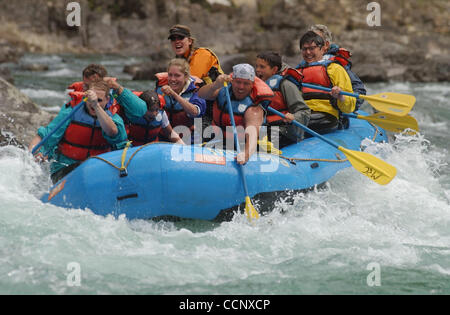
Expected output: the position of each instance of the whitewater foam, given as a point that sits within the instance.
(316, 242)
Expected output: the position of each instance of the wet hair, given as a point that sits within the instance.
(100, 85)
(151, 98)
(95, 69)
(327, 36)
(312, 37)
(272, 58)
(182, 63)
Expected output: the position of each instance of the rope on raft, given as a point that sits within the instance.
(123, 168)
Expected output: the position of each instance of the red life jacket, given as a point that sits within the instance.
(278, 101)
(140, 135)
(77, 97)
(162, 78)
(141, 132)
(83, 137)
(342, 56)
(76, 86)
(261, 93)
(293, 75)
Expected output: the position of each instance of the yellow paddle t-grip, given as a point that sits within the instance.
(123, 169)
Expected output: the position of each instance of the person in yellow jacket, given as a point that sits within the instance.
(326, 108)
(203, 63)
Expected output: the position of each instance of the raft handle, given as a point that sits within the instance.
(123, 172)
(127, 197)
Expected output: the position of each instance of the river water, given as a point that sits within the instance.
(351, 237)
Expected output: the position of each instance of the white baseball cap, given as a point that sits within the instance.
(244, 71)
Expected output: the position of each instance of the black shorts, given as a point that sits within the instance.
(322, 123)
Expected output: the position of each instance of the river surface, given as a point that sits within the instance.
(351, 237)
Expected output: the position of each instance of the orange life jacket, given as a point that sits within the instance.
(316, 73)
(198, 57)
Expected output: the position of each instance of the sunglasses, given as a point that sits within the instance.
(176, 37)
(311, 48)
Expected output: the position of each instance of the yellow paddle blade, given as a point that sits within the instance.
(392, 103)
(377, 170)
(250, 210)
(391, 122)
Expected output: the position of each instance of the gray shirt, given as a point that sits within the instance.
(296, 106)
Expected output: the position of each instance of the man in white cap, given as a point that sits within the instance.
(248, 94)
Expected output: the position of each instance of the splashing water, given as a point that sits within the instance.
(352, 236)
(322, 242)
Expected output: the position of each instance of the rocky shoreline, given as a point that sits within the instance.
(412, 43)
(19, 116)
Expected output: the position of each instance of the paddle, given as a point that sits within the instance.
(389, 122)
(388, 102)
(72, 113)
(367, 164)
(250, 210)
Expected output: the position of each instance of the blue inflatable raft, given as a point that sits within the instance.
(164, 179)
